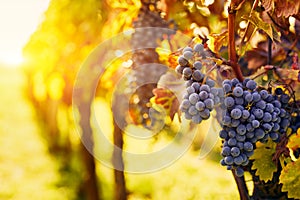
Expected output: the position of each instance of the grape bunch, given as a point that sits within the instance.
(149, 29)
(252, 114)
(201, 96)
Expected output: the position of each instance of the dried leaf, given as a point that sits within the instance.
(166, 99)
(268, 5)
(258, 56)
(286, 8)
(288, 74)
(168, 93)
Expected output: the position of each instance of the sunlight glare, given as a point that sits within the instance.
(18, 20)
(12, 59)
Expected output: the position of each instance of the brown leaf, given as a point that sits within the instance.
(287, 8)
(268, 5)
(258, 56)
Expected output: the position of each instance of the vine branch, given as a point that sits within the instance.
(242, 187)
(234, 5)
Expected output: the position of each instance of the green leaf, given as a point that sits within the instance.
(290, 179)
(255, 19)
(263, 163)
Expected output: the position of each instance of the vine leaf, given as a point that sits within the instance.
(257, 57)
(260, 24)
(263, 163)
(216, 41)
(167, 94)
(294, 141)
(166, 99)
(285, 8)
(268, 5)
(290, 179)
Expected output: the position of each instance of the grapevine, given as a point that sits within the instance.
(201, 95)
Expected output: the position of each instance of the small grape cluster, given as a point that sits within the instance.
(149, 29)
(150, 26)
(201, 95)
(252, 114)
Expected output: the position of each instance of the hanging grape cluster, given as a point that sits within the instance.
(252, 114)
(150, 27)
(201, 96)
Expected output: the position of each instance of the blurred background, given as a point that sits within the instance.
(43, 43)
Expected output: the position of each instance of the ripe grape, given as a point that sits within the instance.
(252, 114)
(187, 55)
(238, 92)
(199, 48)
(199, 91)
(235, 151)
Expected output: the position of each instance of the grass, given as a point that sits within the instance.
(186, 178)
(28, 171)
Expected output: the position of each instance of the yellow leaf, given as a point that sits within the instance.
(290, 179)
(263, 163)
(216, 41)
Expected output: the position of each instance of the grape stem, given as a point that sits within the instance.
(233, 7)
(242, 187)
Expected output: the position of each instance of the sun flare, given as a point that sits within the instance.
(13, 59)
(18, 20)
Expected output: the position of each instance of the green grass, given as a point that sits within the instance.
(187, 178)
(28, 171)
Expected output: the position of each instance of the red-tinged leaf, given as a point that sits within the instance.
(286, 8)
(288, 74)
(290, 179)
(258, 56)
(168, 93)
(268, 5)
(166, 99)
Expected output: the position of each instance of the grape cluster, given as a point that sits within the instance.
(201, 96)
(149, 28)
(252, 114)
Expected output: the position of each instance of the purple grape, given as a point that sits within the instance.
(229, 102)
(235, 151)
(251, 84)
(236, 113)
(200, 106)
(182, 61)
(238, 92)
